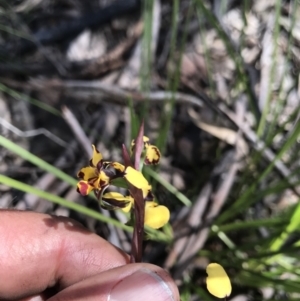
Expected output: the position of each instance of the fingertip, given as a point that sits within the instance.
(147, 283)
(132, 282)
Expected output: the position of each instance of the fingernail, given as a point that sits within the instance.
(142, 285)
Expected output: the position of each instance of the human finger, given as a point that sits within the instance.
(133, 282)
(39, 251)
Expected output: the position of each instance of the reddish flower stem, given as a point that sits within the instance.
(138, 231)
(139, 204)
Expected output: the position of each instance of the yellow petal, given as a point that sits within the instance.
(87, 173)
(152, 155)
(127, 208)
(97, 157)
(218, 282)
(112, 198)
(94, 182)
(100, 181)
(84, 188)
(103, 179)
(146, 141)
(118, 166)
(156, 216)
(136, 178)
(117, 197)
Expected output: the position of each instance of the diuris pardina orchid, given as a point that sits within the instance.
(99, 175)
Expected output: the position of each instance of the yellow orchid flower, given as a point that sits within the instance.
(97, 176)
(140, 200)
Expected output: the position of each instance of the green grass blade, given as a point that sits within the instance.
(174, 28)
(33, 101)
(26, 155)
(134, 120)
(146, 53)
(181, 197)
(60, 201)
(265, 112)
(293, 226)
(173, 77)
(249, 196)
(233, 53)
(15, 32)
(253, 224)
(208, 61)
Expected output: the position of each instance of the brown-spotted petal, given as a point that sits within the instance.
(152, 155)
(103, 179)
(156, 216)
(97, 158)
(84, 188)
(117, 200)
(146, 142)
(132, 145)
(120, 168)
(87, 173)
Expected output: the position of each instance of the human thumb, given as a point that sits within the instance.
(132, 282)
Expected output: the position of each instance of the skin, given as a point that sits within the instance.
(43, 256)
